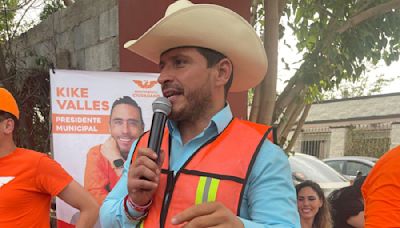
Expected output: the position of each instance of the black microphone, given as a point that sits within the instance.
(161, 108)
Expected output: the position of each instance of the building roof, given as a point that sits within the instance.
(386, 106)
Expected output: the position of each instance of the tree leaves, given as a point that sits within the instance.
(337, 39)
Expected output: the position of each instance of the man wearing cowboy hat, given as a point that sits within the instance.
(214, 170)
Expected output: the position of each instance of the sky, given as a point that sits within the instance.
(34, 8)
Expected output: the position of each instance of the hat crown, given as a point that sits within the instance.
(8, 103)
(210, 26)
(176, 6)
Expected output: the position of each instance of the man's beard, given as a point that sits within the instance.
(198, 103)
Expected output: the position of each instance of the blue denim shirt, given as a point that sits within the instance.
(269, 198)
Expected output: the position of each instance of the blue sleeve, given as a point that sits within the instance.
(270, 197)
(112, 212)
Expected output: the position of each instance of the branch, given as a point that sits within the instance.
(27, 8)
(68, 2)
(367, 14)
(292, 112)
(281, 7)
(3, 68)
(298, 127)
(364, 4)
(255, 105)
(253, 12)
(292, 81)
(22, 4)
(324, 10)
(290, 92)
(284, 118)
(290, 122)
(271, 37)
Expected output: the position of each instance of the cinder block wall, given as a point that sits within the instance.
(83, 36)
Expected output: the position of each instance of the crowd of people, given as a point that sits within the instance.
(343, 208)
(371, 201)
(214, 170)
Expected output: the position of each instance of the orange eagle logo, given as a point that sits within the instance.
(145, 84)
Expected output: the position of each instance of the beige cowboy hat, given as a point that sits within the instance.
(208, 26)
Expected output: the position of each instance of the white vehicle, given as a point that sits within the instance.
(307, 167)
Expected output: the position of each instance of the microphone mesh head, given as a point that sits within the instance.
(163, 105)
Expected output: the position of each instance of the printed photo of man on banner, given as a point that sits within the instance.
(96, 116)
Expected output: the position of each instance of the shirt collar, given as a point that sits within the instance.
(221, 120)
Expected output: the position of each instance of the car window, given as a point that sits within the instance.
(352, 167)
(336, 165)
(314, 169)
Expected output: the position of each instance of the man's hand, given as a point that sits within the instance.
(110, 150)
(144, 176)
(207, 215)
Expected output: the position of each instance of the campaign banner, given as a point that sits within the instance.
(83, 129)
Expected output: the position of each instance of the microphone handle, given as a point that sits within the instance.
(157, 132)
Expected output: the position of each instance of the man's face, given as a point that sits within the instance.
(187, 82)
(125, 126)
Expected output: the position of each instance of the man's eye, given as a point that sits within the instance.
(179, 62)
(133, 123)
(117, 122)
(161, 66)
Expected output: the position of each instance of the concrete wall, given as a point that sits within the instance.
(83, 36)
(338, 142)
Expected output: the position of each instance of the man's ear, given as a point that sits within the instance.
(224, 69)
(9, 126)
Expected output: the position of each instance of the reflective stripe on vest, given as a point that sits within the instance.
(206, 190)
(217, 171)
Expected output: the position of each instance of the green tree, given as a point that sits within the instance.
(7, 15)
(337, 39)
(50, 7)
(364, 86)
(29, 86)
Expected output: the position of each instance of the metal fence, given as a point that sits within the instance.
(368, 140)
(316, 142)
(361, 140)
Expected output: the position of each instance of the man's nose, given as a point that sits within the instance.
(125, 127)
(166, 74)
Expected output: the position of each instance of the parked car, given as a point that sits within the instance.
(307, 167)
(352, 166)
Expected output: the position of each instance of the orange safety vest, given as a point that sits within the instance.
(218, 171)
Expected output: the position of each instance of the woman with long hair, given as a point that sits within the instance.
(312, 206)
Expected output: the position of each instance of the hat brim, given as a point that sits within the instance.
(213, 27)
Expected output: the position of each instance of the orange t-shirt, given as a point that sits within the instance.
(100, 177)
(381, 192)
(28, 180)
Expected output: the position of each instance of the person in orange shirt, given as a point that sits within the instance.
(381, 192)
(29, 179)
(104, 162)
